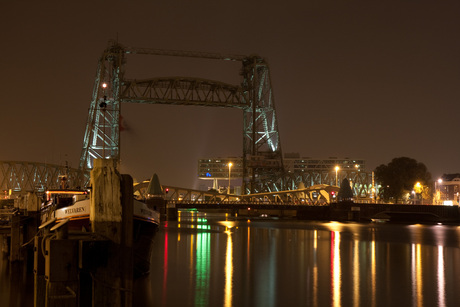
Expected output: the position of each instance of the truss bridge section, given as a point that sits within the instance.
(360, 182)
(183, 91)
(24, 176)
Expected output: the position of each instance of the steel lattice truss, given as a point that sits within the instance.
(361, 181)
(262, 157)
(184, 91)
(32, 176)
(102, 135)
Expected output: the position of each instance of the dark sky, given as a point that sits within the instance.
(372, 80)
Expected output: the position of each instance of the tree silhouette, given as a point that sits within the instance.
(345, 192)
(399, 177)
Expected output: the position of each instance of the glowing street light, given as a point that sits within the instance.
(336, 175)
(229, 172)
(437, 190)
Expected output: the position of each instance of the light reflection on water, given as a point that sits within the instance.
(228, 271)
(215, 260)
(335, 268)
(440, 278)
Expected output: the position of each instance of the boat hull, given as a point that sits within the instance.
(145, 226)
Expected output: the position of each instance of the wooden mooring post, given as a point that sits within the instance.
(111, 216)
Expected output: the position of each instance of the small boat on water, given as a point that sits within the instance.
(72, 204)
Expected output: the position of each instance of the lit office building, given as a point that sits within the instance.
(220, 171)
(294, 163)
(217, 169)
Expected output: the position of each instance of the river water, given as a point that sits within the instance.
(204, 260)
(215, 260)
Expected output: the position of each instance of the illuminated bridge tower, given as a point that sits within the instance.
(102, 135)
(262, 157)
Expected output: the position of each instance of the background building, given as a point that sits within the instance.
(448, 190)
(294, 163)
(217, 169)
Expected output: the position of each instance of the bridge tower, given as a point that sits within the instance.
(102, 135)
(262, 156)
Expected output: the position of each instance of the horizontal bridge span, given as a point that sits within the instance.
(314, 195)
(183, 91)
(21, 176)
(182, 53)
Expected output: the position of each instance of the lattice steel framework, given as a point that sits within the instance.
(262, 157)
(361, 181)
(33, 176)
(102, 135)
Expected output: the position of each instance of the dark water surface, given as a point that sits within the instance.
(211, 260)
(205, 261)
(16, 286)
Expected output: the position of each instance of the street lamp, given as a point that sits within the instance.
(229, 171)
(437, 189)
(336, 176)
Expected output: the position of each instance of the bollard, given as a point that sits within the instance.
(112, 219)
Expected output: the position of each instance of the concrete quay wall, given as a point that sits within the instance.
(344, 211)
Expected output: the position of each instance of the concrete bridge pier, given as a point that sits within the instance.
(171, 212)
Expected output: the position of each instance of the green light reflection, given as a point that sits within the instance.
(203, 262)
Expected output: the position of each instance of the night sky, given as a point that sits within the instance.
(372, 80)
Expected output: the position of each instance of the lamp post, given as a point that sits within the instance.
(336, 175)
(437, 189)
(418, 191)
(351, 184)
(229, 171)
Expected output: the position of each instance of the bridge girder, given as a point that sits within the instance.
(21, 176)
(361, 182)
(183, 91)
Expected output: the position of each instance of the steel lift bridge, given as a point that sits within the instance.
(263, 169)
(262, 156)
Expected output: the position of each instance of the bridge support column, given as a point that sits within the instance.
(354, 214)
(171, 212)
